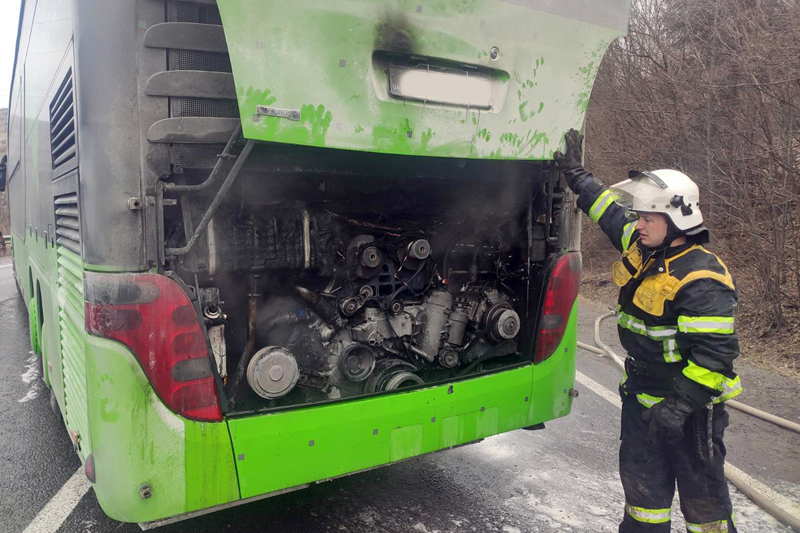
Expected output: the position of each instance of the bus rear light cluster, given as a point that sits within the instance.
(559, 298)
(154, 318)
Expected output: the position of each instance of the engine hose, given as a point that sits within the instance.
(777, 506)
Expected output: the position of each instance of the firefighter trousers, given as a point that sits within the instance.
(649, 471)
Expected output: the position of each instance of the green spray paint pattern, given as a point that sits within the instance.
(317, 59)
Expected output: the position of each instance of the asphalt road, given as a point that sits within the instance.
(561, 479)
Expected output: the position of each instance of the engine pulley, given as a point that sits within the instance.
(356, 362)
(506, 326)
(272, 372)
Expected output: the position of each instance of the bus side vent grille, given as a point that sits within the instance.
(191, 12)
(70, 318)
(197, 60)
(196, 156)
(62, 123)
(68, 228)
(204, 107)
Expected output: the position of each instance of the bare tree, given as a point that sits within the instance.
(712, 88)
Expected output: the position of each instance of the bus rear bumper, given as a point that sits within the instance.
(194, 468)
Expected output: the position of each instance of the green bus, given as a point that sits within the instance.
(265, 244)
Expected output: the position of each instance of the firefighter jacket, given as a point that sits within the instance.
(675, 308)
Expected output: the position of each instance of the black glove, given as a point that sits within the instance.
(574, 157)
(668, 416)
(667, 419)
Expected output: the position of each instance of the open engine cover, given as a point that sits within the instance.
(472, 79)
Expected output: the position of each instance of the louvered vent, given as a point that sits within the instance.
(70, 318)
(62, 123)
(68, 228)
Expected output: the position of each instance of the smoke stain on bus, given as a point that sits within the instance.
(393, 34)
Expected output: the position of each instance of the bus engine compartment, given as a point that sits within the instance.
(316, 286)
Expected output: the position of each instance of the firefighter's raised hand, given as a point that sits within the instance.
(573, 159)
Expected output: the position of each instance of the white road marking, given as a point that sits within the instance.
(61, 506)
(6, 266)
(598, 389)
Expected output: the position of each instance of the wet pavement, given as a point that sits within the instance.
(561, 479)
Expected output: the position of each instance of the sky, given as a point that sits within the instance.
(9, 20)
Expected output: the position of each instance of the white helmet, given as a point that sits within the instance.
(666, 191)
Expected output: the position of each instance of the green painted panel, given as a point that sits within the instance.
(137, 440)
(317, 60)
(553, 379)
(281, 450)
(209, 466)
(406, 442)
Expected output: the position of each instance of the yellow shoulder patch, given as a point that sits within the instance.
(620, 272)
(726, 278)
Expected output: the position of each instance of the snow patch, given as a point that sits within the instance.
(31, 370)
(562, 516)
(32, 393)
(597, 511)
(496, 448)
(31, 378)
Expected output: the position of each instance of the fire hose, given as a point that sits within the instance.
(773, 503)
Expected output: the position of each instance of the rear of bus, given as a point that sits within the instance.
(314, 238)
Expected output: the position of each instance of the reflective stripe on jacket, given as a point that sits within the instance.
(676, 305)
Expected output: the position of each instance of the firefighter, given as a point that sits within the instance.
(675, 319)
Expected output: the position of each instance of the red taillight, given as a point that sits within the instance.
(153, 316)
(562, 290)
